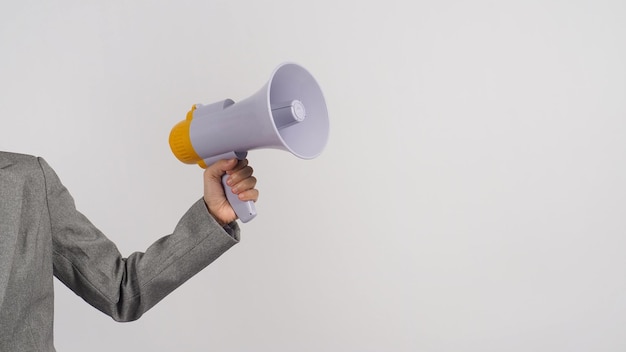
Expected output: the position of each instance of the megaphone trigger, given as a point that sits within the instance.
(204, 163)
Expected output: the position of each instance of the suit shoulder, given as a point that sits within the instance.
(21, 163)
(18, 157)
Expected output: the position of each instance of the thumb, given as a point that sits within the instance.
(219, 168)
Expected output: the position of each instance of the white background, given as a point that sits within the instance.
(471, 196)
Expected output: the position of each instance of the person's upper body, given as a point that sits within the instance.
(42, 234)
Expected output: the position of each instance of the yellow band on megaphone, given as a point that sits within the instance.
(180, 142)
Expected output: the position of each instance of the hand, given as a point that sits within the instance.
(241, 182)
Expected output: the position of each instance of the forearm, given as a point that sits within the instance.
(127, 288)
(90, 264)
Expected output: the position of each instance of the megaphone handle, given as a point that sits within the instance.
(246, 211)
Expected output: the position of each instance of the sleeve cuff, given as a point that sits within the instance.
(231, 229)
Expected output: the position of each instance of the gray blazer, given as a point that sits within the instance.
(42, 234)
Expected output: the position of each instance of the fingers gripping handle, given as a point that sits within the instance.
(245, 210)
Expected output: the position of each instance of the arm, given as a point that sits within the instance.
(90, 264)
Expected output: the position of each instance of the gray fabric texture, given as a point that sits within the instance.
(42, 234)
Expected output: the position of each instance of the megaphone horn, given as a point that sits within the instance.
(289, 113)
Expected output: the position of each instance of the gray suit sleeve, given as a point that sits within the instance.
(90, 264)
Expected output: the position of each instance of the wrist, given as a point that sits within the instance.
(215, 217)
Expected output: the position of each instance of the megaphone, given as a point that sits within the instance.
(288, 113)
